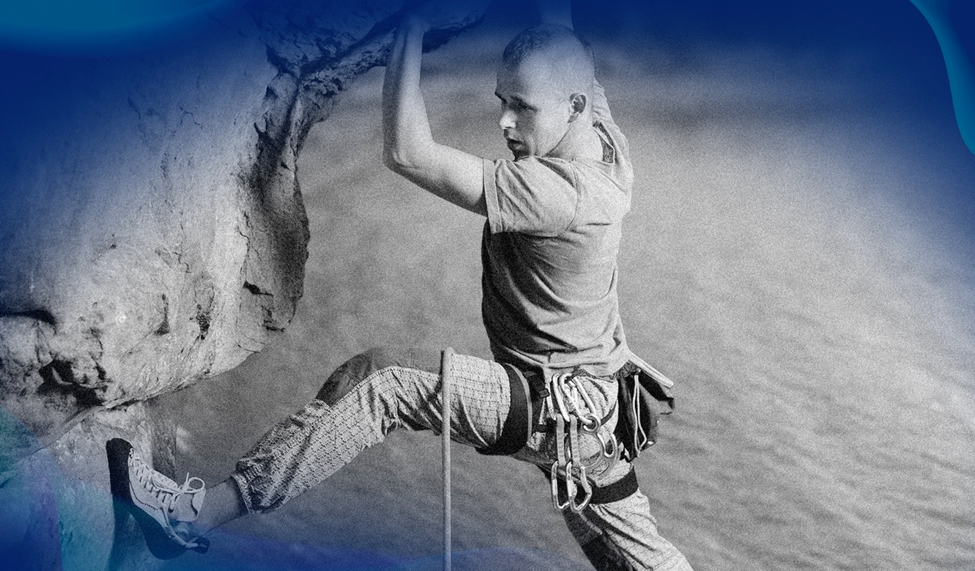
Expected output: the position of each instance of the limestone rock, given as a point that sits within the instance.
(152, 234)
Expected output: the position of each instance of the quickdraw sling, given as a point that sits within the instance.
(575, 418)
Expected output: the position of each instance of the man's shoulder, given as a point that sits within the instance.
(544, 169)
(537, 173)
(534, 195)
(610, 178)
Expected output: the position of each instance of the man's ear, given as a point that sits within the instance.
(578, 103)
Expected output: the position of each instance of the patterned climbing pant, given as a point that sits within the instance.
(380, 390)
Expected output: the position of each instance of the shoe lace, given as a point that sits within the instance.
(165, 490)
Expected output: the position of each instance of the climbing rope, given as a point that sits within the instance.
(445, 442)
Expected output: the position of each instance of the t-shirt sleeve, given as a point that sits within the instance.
(534, 195)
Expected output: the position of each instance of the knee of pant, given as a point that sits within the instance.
(375, 359)
(358, 368)
(349, 374)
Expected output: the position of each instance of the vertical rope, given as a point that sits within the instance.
(445, 441)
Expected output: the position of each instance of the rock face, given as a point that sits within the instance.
(152, 232)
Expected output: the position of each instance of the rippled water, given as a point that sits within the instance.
(798, 258)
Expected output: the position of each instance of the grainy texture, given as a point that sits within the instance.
(152, 230)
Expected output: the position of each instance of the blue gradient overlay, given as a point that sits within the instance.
(108, 25)
(56, 53)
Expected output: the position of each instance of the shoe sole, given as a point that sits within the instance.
(158, 542)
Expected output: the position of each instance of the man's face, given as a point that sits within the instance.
(534, 115)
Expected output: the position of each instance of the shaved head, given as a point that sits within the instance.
(545, 84)
(563, 54)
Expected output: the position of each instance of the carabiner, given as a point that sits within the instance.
(586, 492)
(590, 422)
(610, 447)
(570, 486)
(557, 389)
(589, 404)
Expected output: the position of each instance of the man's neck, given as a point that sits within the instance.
(580, 142)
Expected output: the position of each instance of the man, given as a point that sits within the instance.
(549, 305)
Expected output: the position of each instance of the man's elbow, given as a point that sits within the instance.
(394, 161)
(401, 160)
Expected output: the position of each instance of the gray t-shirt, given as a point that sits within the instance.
(549, 254)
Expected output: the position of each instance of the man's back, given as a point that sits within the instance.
(549, 254)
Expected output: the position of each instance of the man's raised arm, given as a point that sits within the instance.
(409, 148)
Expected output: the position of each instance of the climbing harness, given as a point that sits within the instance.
(445, 442)
(585, 446)
(520, 422)
(574, 414)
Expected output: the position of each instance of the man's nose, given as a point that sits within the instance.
(507, 119)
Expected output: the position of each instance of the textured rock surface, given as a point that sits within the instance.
(152, 232)
(58, 511)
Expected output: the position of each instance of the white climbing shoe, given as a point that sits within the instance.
(158, 503)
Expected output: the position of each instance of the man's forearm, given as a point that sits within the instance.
(405, 122)
(408, 145)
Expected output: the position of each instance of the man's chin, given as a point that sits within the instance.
(517, 149)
